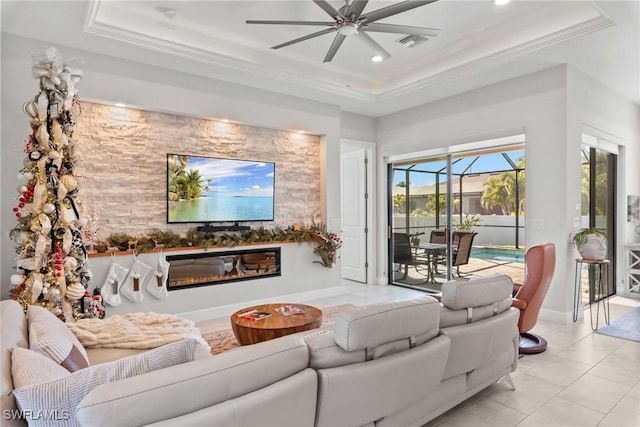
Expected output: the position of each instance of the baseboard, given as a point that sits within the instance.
(228, 310)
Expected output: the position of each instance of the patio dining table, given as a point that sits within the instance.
(431, 250)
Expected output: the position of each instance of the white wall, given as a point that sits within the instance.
(357, 127)
(595, 109)
(111, 79)
(539, 104)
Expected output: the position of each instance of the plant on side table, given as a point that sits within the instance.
(591, 243)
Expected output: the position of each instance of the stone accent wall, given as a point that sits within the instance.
(123, 165)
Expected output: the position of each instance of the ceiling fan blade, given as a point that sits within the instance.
(337, 42)
(399, 29)
(301, 39)
(326, 24)
(394, 9)
(377, 49)
(329, 9)
(356, 8)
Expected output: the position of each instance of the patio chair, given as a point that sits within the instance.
(540, 262)
(462, 241)
(403, 254)
(438, 236)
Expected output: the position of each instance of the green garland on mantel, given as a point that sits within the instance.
(193, 238)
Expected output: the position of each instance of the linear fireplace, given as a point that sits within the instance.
(212, 268)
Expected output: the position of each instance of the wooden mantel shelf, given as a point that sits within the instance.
(189, 248)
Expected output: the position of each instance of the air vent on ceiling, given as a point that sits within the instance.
(412, 40)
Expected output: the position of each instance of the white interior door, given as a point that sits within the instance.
(353, 172)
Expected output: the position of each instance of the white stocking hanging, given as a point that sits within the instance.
(157, 283)
(132, 286)
(110, 289)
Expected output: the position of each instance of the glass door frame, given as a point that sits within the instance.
(597, 145)
(448, 153)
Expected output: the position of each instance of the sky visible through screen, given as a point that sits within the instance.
(485, 163)
(234, 178)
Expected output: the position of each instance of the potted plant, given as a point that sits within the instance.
(413, 237)
(327, 245)
(591, 243)
(468, 223)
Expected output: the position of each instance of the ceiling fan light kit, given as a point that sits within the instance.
(350, 20)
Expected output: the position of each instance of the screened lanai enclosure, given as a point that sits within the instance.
(457, 215)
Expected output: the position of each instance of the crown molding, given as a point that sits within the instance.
(469, 67)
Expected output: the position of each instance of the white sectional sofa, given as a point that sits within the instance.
(391, 364)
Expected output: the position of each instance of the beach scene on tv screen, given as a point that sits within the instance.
(207, 189)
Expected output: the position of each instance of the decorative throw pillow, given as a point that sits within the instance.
(56, 400)
(50, 336)
(30, 368)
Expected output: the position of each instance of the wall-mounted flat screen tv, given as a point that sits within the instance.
(209, 189)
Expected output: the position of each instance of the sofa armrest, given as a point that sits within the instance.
(182, 389)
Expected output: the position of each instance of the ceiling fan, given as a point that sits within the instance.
(350, 20)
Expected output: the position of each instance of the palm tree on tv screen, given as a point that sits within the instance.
(183, 184)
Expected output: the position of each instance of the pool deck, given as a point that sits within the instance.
(476, 267)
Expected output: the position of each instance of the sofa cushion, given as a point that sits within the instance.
(372, 325)
(190, 387)
(58, 395)
(477, 292)
(50, 336)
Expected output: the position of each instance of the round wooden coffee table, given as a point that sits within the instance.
(248, 331)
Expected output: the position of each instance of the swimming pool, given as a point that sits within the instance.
(497, 254)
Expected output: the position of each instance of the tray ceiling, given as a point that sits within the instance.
(478, 43)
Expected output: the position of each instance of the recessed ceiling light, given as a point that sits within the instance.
(377, 58)
(500, 2)
(120, 104)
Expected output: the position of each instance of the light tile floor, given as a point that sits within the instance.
(582, 379)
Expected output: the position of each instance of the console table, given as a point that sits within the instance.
(248, 331)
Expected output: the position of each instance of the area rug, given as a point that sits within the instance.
(626, 326)
(223, 339)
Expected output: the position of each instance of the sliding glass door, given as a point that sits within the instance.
(598, 207)
(456, 215)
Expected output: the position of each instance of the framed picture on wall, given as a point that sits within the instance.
(633, 208)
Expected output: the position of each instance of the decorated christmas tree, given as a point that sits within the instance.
(52, 260)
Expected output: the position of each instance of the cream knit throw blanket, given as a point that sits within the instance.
(134, 330)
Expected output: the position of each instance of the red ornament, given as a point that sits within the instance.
(18, 214)
(16, 209)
